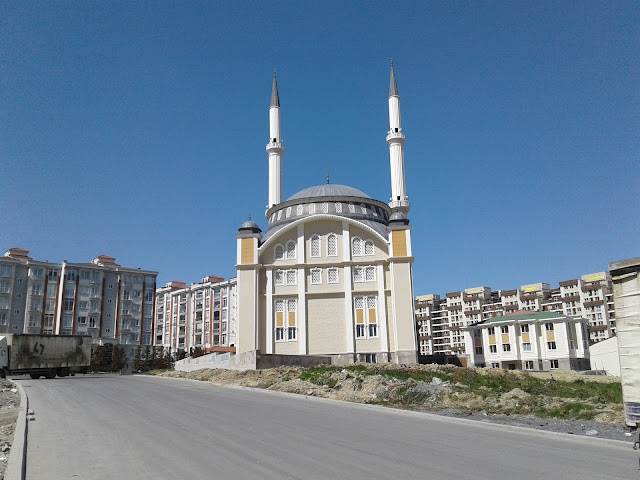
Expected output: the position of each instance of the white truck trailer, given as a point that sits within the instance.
(625, 275)
(44, 355)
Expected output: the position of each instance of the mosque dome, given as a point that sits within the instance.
(328, 190)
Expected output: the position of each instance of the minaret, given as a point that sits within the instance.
(274, 147)
(395, 139)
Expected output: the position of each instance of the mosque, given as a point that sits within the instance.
(332, 273)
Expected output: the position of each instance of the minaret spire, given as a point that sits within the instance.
(274, 147)
(395, 139)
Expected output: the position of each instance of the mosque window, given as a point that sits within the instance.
(288, 213)
(292, 307)
(363, 208)
(280, 321)
(370, 274)
(279, 214)
(365, 315)
(338, 208)
(312, 208)
(368, 248)
(291, 277)
(278, 277)
(332, 245)
(332, 275)
(300, 210)
(315, 246)
(352, 208)
(291, 250)
(316, 276)
(325, 208)
(279, 253)
(356, 247)
(358, 274)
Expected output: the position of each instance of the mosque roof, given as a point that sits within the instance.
(328, 190)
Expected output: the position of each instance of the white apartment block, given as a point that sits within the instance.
(532, 340)
(203, 315)
(439, 320)
(111, 303)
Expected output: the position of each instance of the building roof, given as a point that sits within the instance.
(393, 86)
(328, 190)
(275, 98)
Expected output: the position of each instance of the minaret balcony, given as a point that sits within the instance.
(274, 146)
(395, 136)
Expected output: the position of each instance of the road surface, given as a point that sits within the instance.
(132, 427)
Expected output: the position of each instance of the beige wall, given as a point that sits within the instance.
(326, 324)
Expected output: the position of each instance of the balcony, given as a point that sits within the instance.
(511, 307)
(598, 328)
(472, 311)
(574, 297)
(592, 303)
(590, 286)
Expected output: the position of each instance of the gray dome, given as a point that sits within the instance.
(249, 225)
(328, 190)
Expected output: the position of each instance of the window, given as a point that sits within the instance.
(315, 246)
(279, 214)
(312, 208)
(82, 320)
(332, 245)
(504, 329)
(278, 277)
(506, 347)
(70, 276)
(524, 328)
(358, 274)
(292, 306)
(279, 320)
(370, 274)
(291, 250)
(478, 350)
(316, 276)
(288, 212)
(365, 315)
(352, 208)
(363, 208)
(332, 275)
(278, 252)
(528, 365)
(338, 208)
(526, 347)
(367, 357)
(68, 304)
(84, 274)
(325, 208)
(491, 331)
(555, 364)
(291, 277)
(551, 345)
(368, 248)
(92, 322)
(495, 365)
(548, 327)
(3, 318)
(300, 210)
(356, 247)
(52, 275)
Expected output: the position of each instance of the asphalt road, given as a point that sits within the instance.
(130, 427)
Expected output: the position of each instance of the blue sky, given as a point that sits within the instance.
(137, 129)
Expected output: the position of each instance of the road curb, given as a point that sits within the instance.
(17, 464)
(417, 414)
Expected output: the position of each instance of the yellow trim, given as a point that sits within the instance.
(279, 319)
(246, 251)
(292, 319)
(359, 316)
(399, 243)
(525, 337)
(372, 315)
(551, 336)
(505, 338)
(492, 339)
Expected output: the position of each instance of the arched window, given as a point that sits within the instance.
(332, 245)
(291, 250)
(279, 252)
(368, 247)
(300, 210)
(356, 246)
(315, 246)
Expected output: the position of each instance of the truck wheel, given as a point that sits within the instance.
(50, 374)
(35, 376)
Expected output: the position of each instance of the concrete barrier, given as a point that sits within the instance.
(17, 463)
(248, 361)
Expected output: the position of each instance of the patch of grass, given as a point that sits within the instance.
(484, 382)
(571, 411)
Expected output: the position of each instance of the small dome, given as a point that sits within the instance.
(328, 190)
(250, 225)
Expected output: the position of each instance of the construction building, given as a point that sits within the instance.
(111, 303)
(531, 340)
(440, 319)
(203, 314)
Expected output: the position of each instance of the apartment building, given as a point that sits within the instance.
(100, 298)
(440, 320)
(530, 340)
(203, 314)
